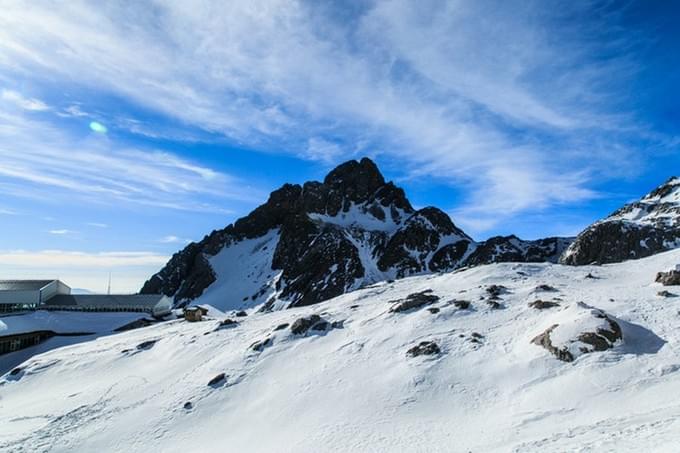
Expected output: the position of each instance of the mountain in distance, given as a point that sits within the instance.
(315, 241)
(637, 230)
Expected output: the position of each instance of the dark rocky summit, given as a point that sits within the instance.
(637, 230)
(327, 238)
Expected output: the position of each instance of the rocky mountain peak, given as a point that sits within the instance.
(358, 179)
(311, 242)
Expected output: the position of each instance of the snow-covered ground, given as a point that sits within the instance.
(354, 388)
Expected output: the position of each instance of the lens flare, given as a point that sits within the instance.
(98, 127)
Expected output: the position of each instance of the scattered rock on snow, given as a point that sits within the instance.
(260, 345)
(462, 304)
(415, 300)
(146, 345)
(188, 405)
(226, 324)
(495, 290)
(281, 326)
(546, 288)
(665, 293)
(433, 310)
(670, 278)
(543, 304)
(241, 314)
(320, 326)
(424, 348)
(494, 304)
(218, 380)
(302, 325)
(581, 329)
(338, 324)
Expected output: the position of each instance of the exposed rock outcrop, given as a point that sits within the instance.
(424, 348)
(581, 330)
(670, 278)
(637, 230)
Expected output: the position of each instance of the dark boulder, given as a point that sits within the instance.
(413, 301)
(218, 380)
(424, 348)
(146, 345)
(302, 325)
(545, 288)
(670, 278)
(462, 304)
(260, 345)
(543, 304)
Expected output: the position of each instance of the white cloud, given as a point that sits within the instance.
(170, 239)
(62, 232)
(503, 99)
(97, 224)
(24, 103)
(60, 258)
(79, 269)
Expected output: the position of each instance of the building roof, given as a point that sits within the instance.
(23, 285)
(104, 300)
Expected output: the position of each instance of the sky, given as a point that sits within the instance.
(128, 129)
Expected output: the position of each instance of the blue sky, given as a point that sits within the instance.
(130, 128)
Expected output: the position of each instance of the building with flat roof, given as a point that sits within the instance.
(26, 295)
(155, 304)
(21, 295)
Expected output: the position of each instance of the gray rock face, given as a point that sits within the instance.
(513, 249)
(417, 245)
(637, 230)
(352, 229)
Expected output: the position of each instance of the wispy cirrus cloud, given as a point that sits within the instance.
(20, 101)
(62, 232)
(38, 159)
(504, 100)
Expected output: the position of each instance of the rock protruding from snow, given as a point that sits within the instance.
(413, 301)
(424, 348)
(578, 330)
(637, 230)
(670, 278)
(543, 304)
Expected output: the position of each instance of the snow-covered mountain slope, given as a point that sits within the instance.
(316, 241)
(433, 363)
(642, 228)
